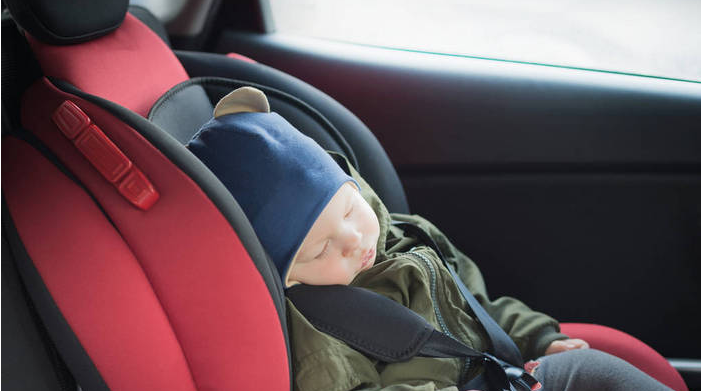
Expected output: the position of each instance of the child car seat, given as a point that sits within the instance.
(174, 292)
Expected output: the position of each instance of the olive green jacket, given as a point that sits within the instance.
(412, 274)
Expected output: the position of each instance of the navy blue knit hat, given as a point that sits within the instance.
(281, 178)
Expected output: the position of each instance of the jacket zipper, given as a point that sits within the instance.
(444, 328)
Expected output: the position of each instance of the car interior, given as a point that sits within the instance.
(127, 265)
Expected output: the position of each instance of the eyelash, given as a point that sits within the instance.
(326, 245)
(324, 251)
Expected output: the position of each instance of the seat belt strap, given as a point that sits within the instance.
(390, 332)
(502, 345)
(369, 322)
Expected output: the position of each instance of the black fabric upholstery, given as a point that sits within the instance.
(67, 22)
(373, 162)
(209, 184)
(28, 360)
(149, 19)
(301, 115)
(75, 357)
(367, 321)
(19, 70)
(182, 110)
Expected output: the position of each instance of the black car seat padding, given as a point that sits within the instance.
(181, 120)
(30, 358)
(52, 319)
(19, 70)
(69, 22)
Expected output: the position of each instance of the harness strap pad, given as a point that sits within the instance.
(373, 324)
(365, 320)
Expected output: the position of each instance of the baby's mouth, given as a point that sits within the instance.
(368, 258)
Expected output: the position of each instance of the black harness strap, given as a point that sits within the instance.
(371, 323)
(390, 332)
(502, 345)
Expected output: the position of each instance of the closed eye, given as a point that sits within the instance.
(352, 204)
(324, 250)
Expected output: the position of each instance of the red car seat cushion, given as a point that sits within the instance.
(120, 300)
(116, 76)
(628, 348)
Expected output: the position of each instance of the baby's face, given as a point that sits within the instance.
(340, 244)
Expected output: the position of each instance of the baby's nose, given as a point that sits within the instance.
(353, 241)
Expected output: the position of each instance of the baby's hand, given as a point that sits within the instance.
(565, 345)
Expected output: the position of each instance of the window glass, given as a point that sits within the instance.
(648, 37)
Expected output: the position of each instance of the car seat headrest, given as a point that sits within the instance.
(67, 22)
(131, 66)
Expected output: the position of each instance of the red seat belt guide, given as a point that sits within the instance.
(104, 155)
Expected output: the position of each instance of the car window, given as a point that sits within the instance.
(648, 37)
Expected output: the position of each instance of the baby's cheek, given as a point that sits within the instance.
(346, 274)
(309, 273)
(331, 273)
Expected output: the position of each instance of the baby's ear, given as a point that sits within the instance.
(244, 99)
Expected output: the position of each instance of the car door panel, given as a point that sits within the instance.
(574, 190)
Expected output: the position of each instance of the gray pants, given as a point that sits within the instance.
(589, 369)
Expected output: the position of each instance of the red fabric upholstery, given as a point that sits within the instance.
(93, 276)
(216, 303)
(628, 348)
(131, 66)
